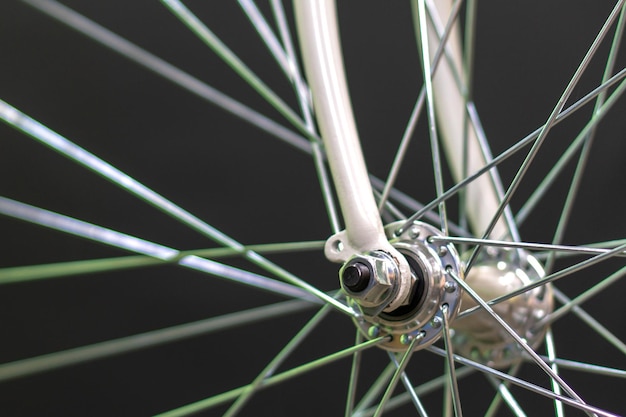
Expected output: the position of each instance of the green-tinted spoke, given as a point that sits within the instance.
(421, 390)
(211, 40)
(521, 172)
(64, 269)
(594, 324)
(527, 140)
(58, 360)
(419, 9)
(166, 70)
(354, 376)
(269, 370)
(397, 374)
(550, 278)
(127, 242)
(276, 379)
(497, 400)
(586, 295)
(520, 342)
(524, 384)
(586, 148)
(46, 136)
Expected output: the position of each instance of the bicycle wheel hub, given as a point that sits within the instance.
(368, 281)
(478, 336)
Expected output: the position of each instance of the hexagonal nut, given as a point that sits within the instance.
(382, 273)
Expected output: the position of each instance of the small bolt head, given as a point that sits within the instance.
(443, 251)
(406, 339)
(414, 232)
(449, 286)
(356, 276)
(436, 322)
(373, 331)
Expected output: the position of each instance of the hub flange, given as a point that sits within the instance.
(432, 287)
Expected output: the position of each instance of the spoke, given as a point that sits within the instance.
(550, 278)
(354, 376)
(599, 287)
(521, 342)
(588, 368)
(212, 41)
(417, 109)
(468, 81)
(75, 356)
(267, 35)
(528, 140)
(396, 376)
(171, 73)
(505, 394)
(374, 391)
(421, 390)
(67, 148)
(524, 384)
(452, 380)
(408, 386)
(110, 237)
(551, 349)
(591, 322)
(273, 380)
(609, 244)
(546, 129)
(64, 269)
(497, 400)
(430, 109)
(288, 63)
(523, 245)
(277, 361)
(470, 112)
(586, 148)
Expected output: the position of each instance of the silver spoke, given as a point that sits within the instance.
(521, 144)
(110, 237)
(522, 343)
(586, 148)
(417, 109)
(64, 269)
(588, 368)
(552, 277)
(524, 245)
(57, 142)
(524, 384)
(546, 129)
(75, 356)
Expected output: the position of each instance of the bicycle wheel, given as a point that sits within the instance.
(259, 190)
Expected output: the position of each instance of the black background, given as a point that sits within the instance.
(259, 190)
